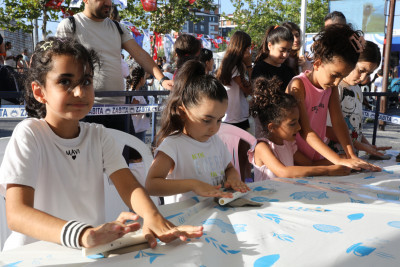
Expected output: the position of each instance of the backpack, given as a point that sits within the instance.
(72, 20)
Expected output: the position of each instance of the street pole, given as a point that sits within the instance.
(303, 25)
(35, 33)
(386, 58)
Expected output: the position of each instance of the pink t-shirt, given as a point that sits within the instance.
(283, 152)
(316, 101)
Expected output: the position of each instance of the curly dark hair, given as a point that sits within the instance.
(186, 48)
(334, 40)
(269, 103)
(191, 85)
(41, 64)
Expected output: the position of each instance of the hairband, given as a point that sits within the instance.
(46, 45)
(276, 27)
(358, 42)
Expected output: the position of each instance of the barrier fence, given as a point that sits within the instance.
(18, 111)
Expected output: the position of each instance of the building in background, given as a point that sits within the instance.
(19, 40)
(209, 25)
(226, 25)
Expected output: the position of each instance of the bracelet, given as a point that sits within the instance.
(71, 232)
(163, 79)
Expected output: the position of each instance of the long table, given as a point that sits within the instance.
(314, 221)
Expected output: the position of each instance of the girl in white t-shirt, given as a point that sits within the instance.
(190, 158)
(277, 155)
(52, 172)
(141, 122)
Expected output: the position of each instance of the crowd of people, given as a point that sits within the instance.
(306, 112)
(19, 62)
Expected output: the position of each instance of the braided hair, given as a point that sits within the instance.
(136, 73)
(269, 104)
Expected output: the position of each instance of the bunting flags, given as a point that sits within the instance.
(168, 46)
(122, 3)
(205, 42)
(54, 4)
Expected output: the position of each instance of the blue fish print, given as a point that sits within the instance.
(12, 264)
(226, 227)
(266, 261)
(326, 228)
(309, 195)
(387, 196)
(222, 247)
(302, 181)
(152, 256)
(341, 190)
(260, 188)
(360, 250)
(273, 217)
(357, 201)
(284, 237)
(264, 199)
(395, 224)
(173, 215)
(355, 216)
(370, 177)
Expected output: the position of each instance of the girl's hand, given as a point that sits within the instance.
(301, 61)
(236, 185)
(156, 226)
(358, 164)
(108, 232)
(207, 190)
(338, 170)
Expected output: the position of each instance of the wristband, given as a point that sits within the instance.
(71, 232)
(163, 79)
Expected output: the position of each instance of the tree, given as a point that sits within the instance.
(19, 14)
(255, 16)
(170, 14)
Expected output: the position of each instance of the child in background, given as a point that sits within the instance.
(277, 155)
(336, 50)
(206, 56)
(52, 172)
(190, 158)
(141, 122)
(274, 51)
(351, 101)
(234, 73)
(186, 47)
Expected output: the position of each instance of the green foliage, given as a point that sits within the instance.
(255, 16)
(19, 14)
(170, 14)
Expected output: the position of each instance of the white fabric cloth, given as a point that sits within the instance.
(238, 107)
(204, 161)
(106, 40)
(66, 174)
(284, 153)
(140, 121)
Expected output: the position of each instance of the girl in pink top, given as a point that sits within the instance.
(277, 155)
(335, 50)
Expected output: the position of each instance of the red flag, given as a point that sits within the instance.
(149, 5)
(155, 53)
(214, 43)
(192, 2)
(135, 31)
(158, 39)
(66, 12)
(199, 36)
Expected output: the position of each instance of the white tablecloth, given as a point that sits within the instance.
(325, 221)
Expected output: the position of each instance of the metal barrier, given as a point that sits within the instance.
(18, 111)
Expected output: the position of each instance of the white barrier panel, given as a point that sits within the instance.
(18, 111)
(382, 117)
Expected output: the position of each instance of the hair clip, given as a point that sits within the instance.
(276, 26)
(47, 44)
(358, 42)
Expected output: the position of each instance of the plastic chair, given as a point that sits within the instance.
(4, 231)
(113, 202)
(231, 135)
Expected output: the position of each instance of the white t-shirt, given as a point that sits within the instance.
(9, 62)
(204, 161)
(238, 107)
(105, 39)
(378, 84)
(141, 122)
(66, 174)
